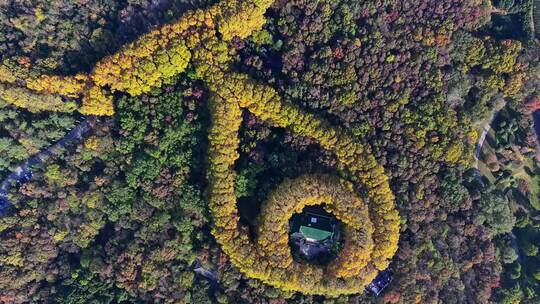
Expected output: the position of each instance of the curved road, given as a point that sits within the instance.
(485, 131)
(482, 139)
(479, 146)
(23, 173)
(535, 22)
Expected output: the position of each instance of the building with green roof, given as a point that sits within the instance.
(316, 227)
(314, 233)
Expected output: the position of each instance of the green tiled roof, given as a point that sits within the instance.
(314, 233)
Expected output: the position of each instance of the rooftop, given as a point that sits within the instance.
(316, 227)
(380, 282)
(314, 234)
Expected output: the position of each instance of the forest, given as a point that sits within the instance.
(156, 151)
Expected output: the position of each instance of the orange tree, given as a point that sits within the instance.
(203, 39)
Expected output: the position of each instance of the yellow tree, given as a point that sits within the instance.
(372, 223)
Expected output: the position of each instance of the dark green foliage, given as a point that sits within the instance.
(504, 4)
(166, 139)
(494, 211)
(246, 181)
(84, 287)
(514, 167)
(23, 134)
(119, 222)
(155, 237)
(513, 19)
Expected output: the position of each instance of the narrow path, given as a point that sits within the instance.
(515, 246)
(535, 18)
(485, 131)
(482, 139)
(208, 274)
(23, 173)
(498, 11)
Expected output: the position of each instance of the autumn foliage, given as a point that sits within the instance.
(34, 102)
(340, 199)
(153, 59)
(269, 260)
(372, 222)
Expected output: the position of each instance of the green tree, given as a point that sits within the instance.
(493, 210)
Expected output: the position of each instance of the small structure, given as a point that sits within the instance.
(380, 282)
(317, 227)
(314, 234)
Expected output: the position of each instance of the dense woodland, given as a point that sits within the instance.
(389, 95)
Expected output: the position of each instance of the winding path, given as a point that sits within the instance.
(23, 173)
(479, 146)
(485, 132)
(536, 18)
(208, 274)
(482, 139)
